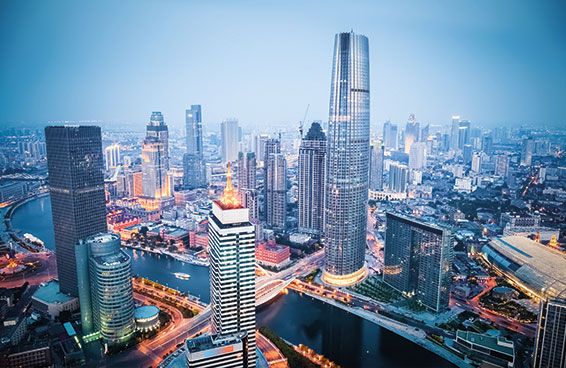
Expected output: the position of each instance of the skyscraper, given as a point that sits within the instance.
(112, 156)
(312, 161)
(76, 183)
(550, 345)
(502, 166)
(346, 189)
(527, 149)
(417, 260)
(232, 268)
(230, 137)
(157, 128)
(476, 162)
(247, 183)
(464, 131)
(376, 166)
(106, 293)
(454, 133)
(398, 178)
(276, 191)
(412, 130)
(390, 135)
(155, 159)
(417, 156)
(194, 167)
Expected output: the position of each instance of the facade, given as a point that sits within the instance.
(230, 138)
(218, 351)
(276, 190)
(232, 269)
(112, 156)
(398, 178)
(312, 165)
(106, 293)
(155, 159)
(12, 191)
(418, 260)
(550, 346)
(76, 183)
(412, 130)
(272, 255)
(194, 167)
(347, 163)
(376, 166)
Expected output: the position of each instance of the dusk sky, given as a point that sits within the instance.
(492, 62)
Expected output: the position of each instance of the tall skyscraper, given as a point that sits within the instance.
(412, 130)
(155, 159)
(464, 132)
(194, 167)
(502, 166)
(390, 135)
(476, 162)
(230, 137)
(550, 345)
(276, 191)
(247, 183)
(418, 260)
(112, 156)
(76, 184)
(376, 166)
(312, 163)
(527, 149)
(232, 268)
(417, 156)
(398, 178)
(467, 152)
(106, 294)
(454, 133)
(347, 163)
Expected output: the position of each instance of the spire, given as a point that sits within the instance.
(229, 198)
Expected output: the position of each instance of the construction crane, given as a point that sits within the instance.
(303, 121)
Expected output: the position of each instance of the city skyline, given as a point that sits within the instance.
(500, 66)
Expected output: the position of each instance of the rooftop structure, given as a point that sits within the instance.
(217, 351)
(496, 350)
(50, 300)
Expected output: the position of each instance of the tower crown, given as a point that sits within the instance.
(229, 198)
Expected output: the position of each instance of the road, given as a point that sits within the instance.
(273, 355)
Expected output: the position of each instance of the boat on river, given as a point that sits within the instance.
(182, 276)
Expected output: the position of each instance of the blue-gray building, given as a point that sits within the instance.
(346, 190)
(194, 166)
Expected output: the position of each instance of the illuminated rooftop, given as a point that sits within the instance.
(229, 199)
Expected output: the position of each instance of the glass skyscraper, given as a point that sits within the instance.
(346, 190)
(155, 159)
(76, 182)
(193, 161)
(550, 346)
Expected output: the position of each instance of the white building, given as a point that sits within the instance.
(112, 156)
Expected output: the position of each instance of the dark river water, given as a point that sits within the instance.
(342, 337)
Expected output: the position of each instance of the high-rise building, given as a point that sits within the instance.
(390, 135)
(412, 130)
(76, 183)
(232, 268)
(218, 351)
(398, 178)
(467, 152)
(376, 166)
(230, 137)
(247, 183)
(155, 159)
(425, 131)
(112, 156)
(347, 162)
(464, 131)
(418, 260)
(417, 156)
(454, 133)
(476, 162)
(258, 147)
(487, 144)
(502, 166)
(194, 167)
(276, 191)
(527, 152)
(312, 163)
(106, 294)
(550, 345)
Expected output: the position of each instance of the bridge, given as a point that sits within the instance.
(270, 290)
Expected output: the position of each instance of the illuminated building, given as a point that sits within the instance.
(232, 268)
(347, 162)
(147, 318)
(76, 181)
(219, 351)
(412, 130)
(312, 165)
(417, 260)
(550, 345)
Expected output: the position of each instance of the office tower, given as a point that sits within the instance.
(194, 167)
(550, 345)
(417, 260)
(112, 156)
(276, 191)
(502, 166)
(463, 134)
(398, 178)
(376, 166)
(76, 183)
(454, 133)
(217, 351)
(106, 294)
(347, 162)
(424, 133)
(312, 162)
(258, 146)
(232, 268)
(487, 144)
(468, 150)
(247, 183)
(476, 162)
(412, 130)
(390, 135)
(527, 148)
(230, 132)
(155, 159)
(417, 156)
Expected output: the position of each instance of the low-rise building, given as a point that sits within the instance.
(497, 351)
(272, 255)
(217, 351)
(49, 300)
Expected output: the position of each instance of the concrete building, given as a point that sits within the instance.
(219, 351)
(390, 135)
(112, 156)
(247, 183)
(418, 260)
(50, 301)
(276, 255)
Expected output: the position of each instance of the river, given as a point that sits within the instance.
(342, 337)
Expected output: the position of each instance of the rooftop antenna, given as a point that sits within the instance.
(304, 120)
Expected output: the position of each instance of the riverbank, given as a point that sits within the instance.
(178, 257)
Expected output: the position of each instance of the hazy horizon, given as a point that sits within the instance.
(262, 63)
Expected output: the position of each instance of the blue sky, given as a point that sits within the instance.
(493, 62)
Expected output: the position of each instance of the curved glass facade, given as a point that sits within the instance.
(347, 161)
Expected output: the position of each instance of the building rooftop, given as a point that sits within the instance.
(49, 293)
(145, 312)
(207, 342)
(498, 344)
(540, 268)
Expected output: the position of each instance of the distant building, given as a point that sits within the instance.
(230, 137)
(527, 149)
(476, 162)
(78, 203)
(275, 190)
(247, 183)
(112, 156)
(502, 166)
(464, 131)
(155, 160)
(417, 156)
(376, 166)
(417, 260)
(398, 178)
(194, 167)
(312, 161)
(412, 130)
(550, 345)
(219, 351)
(454, 133)
(276, 256)
(390, 135)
